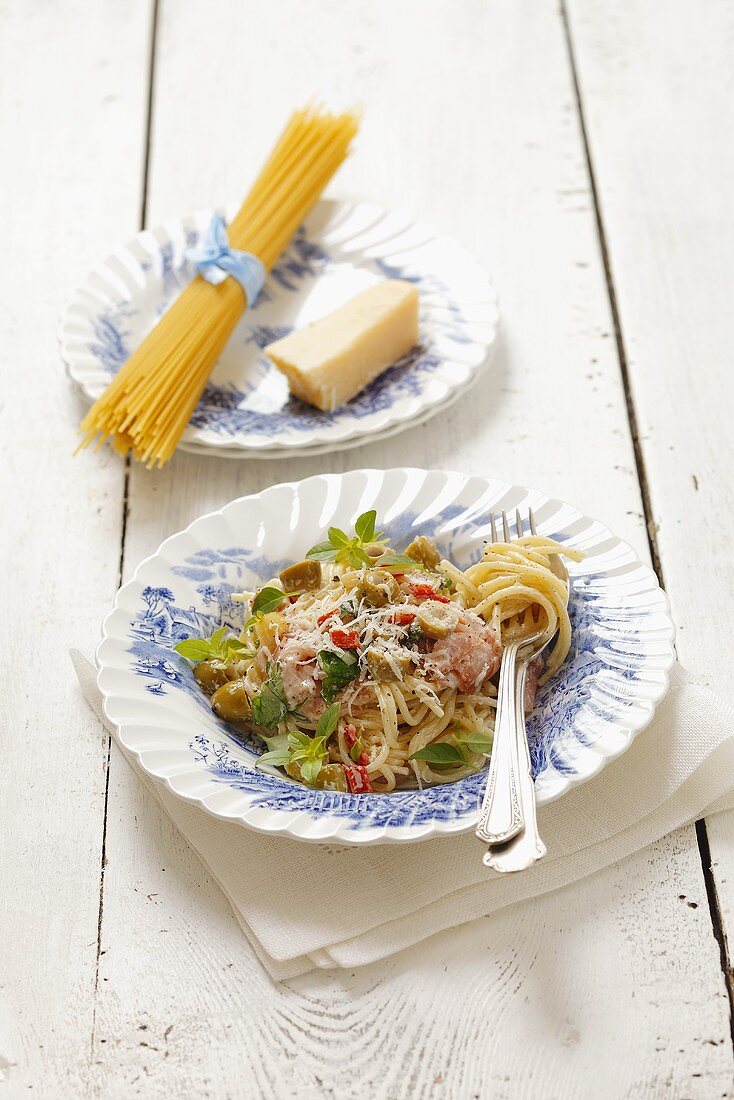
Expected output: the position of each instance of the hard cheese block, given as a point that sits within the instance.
(328, 363)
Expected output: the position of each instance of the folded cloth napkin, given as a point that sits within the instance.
(306, 906)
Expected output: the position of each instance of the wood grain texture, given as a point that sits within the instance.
(71, 134)
(657, 94)
(614, 987)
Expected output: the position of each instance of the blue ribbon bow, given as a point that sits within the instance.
(215, 260)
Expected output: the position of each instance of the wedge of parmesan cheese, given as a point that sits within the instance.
(328, 363)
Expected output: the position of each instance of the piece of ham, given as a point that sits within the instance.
(465, 658)
(299, 670)
(532, 676)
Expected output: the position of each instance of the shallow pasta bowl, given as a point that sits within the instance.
(605, 693)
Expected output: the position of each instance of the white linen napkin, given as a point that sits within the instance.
(307, 906)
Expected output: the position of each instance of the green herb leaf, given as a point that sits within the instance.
(476, 741)
(397, 563)
(339, 671)
(277, 758)
(337, 537)
(194, 649)
(342, 549)
(310, 769)
(268, 599)
(322, 551)
(328, 721)
(440, 752)
(217, 648)
(270, 706)
(364, 528)
(356, 751)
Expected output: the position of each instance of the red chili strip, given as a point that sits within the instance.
(351, 737)
(357, 779)
(404, 617)
(428, 592)
(328, 615)
(345, 639)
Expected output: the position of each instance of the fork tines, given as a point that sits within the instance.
(519, 526)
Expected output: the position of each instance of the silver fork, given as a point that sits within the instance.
(507, 819)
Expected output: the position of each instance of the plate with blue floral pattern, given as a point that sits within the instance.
(615, 674)
(342, 248)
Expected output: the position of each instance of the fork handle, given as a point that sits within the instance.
(527, 847)
(501, 815)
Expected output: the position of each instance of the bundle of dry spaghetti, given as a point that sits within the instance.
(146, 408)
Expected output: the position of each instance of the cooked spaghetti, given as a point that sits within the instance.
(368, 670)
(146, 407)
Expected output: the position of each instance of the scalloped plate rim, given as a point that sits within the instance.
(254, 448)
(385, 834)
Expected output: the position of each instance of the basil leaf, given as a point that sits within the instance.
(310, 770)
(476, 741)
(440, 752)
(276, 757)
(270, 706)
(194, 649)
(337, 537)
(297, 739)
(339, 671)
(322, 551)
(399, 563)
(328, 721)
(268, 599)
(364, 528)
(356, 556)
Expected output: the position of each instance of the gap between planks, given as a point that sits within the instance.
(701, 831)
(147, 131)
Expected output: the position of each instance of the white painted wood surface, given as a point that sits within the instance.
(472, 122)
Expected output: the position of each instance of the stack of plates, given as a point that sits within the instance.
(246, 410)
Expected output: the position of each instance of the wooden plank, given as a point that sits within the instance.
(590, 988)
(657, 93)
(72, 134)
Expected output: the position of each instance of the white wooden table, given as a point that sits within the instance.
(585, 154)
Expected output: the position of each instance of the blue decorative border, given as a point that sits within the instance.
(232, 411)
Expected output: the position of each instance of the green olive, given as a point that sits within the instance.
(331, 778)
(437, 620)
(211, 675)
(424, 551)
(231, 703)
(383, 669)
(301, 575)
(379, 587)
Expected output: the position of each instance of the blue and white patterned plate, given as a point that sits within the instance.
(342, 248)
(615, 674)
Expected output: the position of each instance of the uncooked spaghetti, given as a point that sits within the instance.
(146, 407)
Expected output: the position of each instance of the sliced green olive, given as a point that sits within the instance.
(437, 620)
(424, 551)
(211, 675)
(331, 778)
(231, 703)
(379, 587)
(301, 575)
(383, 669)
